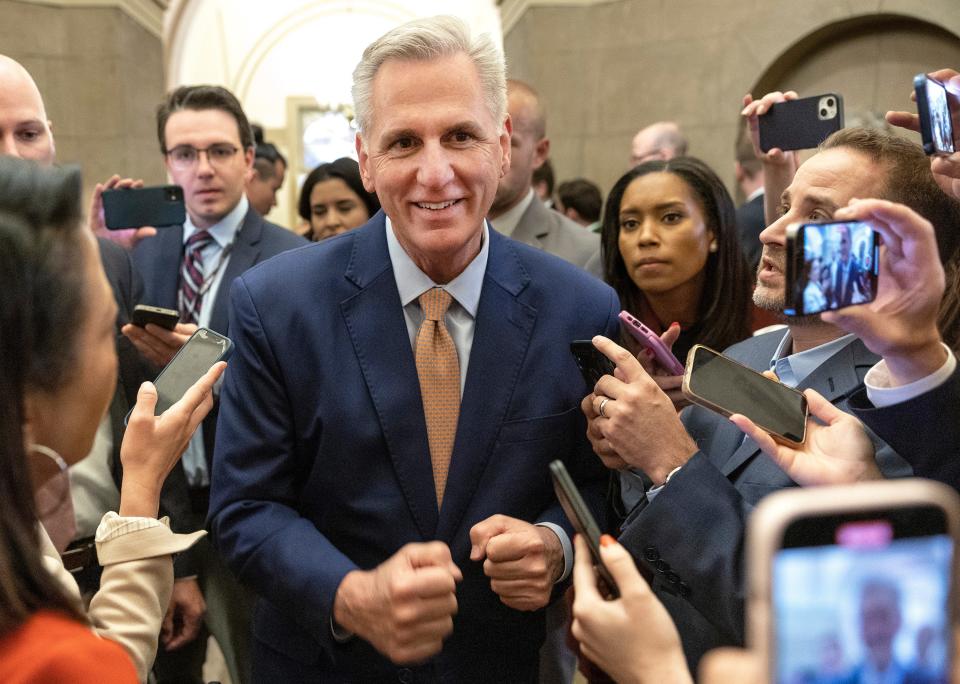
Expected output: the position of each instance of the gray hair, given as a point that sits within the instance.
(424, 39)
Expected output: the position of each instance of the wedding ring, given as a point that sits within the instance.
(603, 402)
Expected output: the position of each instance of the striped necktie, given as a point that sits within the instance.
(191, 276)
(439, 371)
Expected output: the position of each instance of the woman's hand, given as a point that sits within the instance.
(666, 381)
(837, 451)
(152, 445)
(632, 638)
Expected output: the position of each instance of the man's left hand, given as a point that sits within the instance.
(181, 624)
(127, 238)
(638, 420)
(158, 345)
(523, 561)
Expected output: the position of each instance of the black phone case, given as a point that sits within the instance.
(795, 125)
(592, 364)
(164, 318)
(159, 206)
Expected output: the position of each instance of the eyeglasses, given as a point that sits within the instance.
(186, 156)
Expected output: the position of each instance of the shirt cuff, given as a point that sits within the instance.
(653, 491)
(567, 548)
(881, 394)
(340, 635)
(125, 538)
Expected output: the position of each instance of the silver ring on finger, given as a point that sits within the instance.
(603, 403)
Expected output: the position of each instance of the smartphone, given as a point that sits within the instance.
(160, 206)
(583, 522)
(830, 266)
(204, 348)
(592, 363)
(651, 341)
(801, 124)
(165, 318)
(936, 109)
(845, 579)
(720, 384)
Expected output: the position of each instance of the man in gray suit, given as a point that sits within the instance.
(516, 211)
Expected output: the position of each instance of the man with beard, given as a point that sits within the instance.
(689, 530)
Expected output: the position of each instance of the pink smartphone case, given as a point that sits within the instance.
(652, 341)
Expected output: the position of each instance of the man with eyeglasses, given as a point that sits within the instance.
(208, 148)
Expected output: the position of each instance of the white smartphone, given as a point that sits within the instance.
(854, 579)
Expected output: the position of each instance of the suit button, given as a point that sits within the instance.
(662, 566)
(673, 578)
(650, 553)
(683, 589)
(405, 676)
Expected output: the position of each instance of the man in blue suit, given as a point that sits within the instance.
(373, 555)
(207, 144)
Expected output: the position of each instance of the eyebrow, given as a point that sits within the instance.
(657, 207)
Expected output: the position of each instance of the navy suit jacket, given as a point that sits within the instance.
(691, 536)
(322, 464)
(158, 260)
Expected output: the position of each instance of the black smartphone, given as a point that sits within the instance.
(801, 124)
(830, 266)
(160, 206)
(592, 363)
(937, 110)
(204, 348)
(725, 386)
(583, 522)
(165, 318)
(853, 579)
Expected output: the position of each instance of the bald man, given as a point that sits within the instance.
(662, 140)
(24, 128)
(516, 211)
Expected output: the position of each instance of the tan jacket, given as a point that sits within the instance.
(137, 580)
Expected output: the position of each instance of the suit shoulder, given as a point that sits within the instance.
(756, 351)
(300, 262)
(281, 237)
(555, 273)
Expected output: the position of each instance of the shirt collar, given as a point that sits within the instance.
(755, 194)
(225, 229)
(412, 282)
(507, 222)
(793, 369)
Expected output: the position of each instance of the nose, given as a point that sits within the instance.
(435, 169)
(776, 232)
(332, 219)
(647, 233)
(204, 168)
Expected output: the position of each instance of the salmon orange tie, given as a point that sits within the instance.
(439, 371)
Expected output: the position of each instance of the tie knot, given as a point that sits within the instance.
(199, 240)
(434, 303)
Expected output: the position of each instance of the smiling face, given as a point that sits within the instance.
(434, 154)
(823, 184)
(664, 239)
(210, 191)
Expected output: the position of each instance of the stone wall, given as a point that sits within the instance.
(606, 69)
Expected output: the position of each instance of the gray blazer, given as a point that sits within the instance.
(555, 233)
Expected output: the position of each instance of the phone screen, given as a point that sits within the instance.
(734, 388)
(836, 264)
(864, 597)
(938, 117)
(194, 359)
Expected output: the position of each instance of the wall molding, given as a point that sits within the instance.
(512, 11)
(147, 13)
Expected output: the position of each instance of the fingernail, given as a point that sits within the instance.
(674, 325)
(607, 540)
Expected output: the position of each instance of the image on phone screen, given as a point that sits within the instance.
(941, 127)
(839, 267)
(859, 598)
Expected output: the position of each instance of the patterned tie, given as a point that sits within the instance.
(439, 371)
(191, 276)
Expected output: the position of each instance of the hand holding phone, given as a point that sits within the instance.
(157, 315)
(864, 574)
(650, 340)
(800, 124)
(160, 206)
(593, 365)
(939, 113)
(722, 385)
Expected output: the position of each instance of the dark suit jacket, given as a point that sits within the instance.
(691, 535)
(322, 464)
(553, 232)
(924, 430)
(158, 260)
(750, 223)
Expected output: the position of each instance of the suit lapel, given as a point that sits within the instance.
(165, 264)
(504, 326)
(532, 226)
(244, 254)
(836, 379)
(374, 318)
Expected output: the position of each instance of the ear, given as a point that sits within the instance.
(364, 160)
(541, 152)
(504, 140)
(248, 156)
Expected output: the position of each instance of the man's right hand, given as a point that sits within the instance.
(127, 238)
(405, 606)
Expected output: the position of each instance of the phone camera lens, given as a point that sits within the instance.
(830, 102)
(823, 112)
